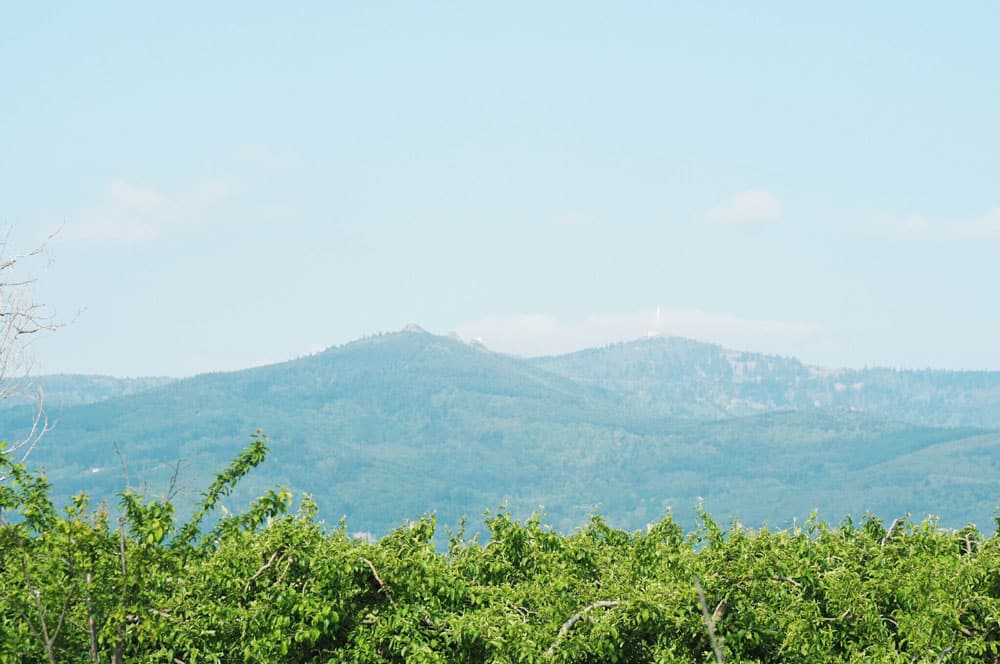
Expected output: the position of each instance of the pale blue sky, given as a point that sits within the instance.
(242, 184)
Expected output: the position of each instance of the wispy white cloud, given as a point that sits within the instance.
(129, 213)
(747, 207)
(911, 225)
(127, 196)
(541, 334)
(986, 226)
(214, 189)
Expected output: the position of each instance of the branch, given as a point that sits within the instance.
(947, 650)
(378, 579)
(24, 616)
(787, 579)
(91, 626)
(523, 610)
(720, 611)
(174, 489)
(20, 318)
(888, 532)
(284, 571)
(117, 657)
(64, 612)
(121, 548)
(709, 622)
(121, 460)
(43, 625)
(840, 617)
(39, 427)
(261, 570)
(575, 618)
(10, 262)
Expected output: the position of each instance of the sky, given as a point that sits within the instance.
(234, 184)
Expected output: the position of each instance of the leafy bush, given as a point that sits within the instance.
(267, 585)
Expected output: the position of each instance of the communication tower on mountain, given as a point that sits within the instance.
(655, 332)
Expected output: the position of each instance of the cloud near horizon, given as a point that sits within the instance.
(984, 226)
(988, 226)
(912, 225)
(747, 207)
(542, 334)
(128, 213)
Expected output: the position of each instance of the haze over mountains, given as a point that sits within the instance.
(388, 427)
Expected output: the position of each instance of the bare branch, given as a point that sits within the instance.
(523, 610)
(787, 579)
(947, 650)
(40, 426)
(284, 571)
(720, 611)
(21, 317)
(174, 487)
(575, 618)
(378, 579)
(889, 531)
(121, 460)
(709, 622)
(840, 617)
(121, 547)
(91, 624)
(117, 656)
(261, 570)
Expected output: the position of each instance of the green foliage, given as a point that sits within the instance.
(224, 483)
(266, 585)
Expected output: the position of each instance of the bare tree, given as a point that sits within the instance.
(21, 319)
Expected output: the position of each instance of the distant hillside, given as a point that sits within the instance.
(61, 390)
(684, 378)
(388, 427)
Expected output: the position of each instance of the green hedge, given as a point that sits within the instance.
(83, 585)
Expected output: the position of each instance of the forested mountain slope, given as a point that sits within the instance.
(389, 427)
(681, 377)
(61, 390)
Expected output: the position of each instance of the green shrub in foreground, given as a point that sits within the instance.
(268, 586)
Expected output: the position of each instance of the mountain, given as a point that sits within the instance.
(388, 427)
(684, 378)
(62, 390)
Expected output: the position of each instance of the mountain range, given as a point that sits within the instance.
(386, 428)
